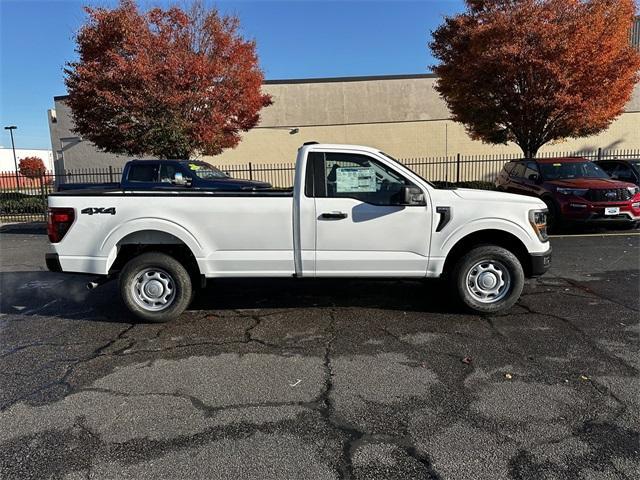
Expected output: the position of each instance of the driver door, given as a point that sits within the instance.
(362, 228)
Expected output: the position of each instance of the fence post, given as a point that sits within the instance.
(458, 168)
(599, 153)
(110, 174)
(43, 196)
(250, 172)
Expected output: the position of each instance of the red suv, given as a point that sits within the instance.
(574, 189)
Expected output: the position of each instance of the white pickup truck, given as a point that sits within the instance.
(353, 212)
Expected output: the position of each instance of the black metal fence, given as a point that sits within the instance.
(25, 199)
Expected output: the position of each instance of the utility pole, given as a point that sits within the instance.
(11, 128)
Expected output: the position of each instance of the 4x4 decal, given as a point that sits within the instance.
(96, 210)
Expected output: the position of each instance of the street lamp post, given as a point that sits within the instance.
(11, 128)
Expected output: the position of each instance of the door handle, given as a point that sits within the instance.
(334, 215)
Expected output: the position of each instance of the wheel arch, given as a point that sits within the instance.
(497, 237)
(149, 240)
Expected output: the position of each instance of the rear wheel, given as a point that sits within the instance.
(488, 279)
(155, 287)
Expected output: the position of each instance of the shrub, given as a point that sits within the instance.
(32, 167)
(19, 203)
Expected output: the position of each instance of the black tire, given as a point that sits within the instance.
(172, 285)
(554, 219)
(506, 267)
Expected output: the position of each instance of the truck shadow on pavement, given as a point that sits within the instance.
(64, 295)
(392, 294)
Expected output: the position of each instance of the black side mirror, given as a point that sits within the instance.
(534, 177)
(412, 196)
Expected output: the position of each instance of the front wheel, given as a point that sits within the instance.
(488, 279)
(155, 287)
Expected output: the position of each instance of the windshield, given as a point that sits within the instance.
(569, 170)
(205, 171)
(636, 163)
(405, 166)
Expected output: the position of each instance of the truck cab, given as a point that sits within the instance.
(353, 212)
(171, 174)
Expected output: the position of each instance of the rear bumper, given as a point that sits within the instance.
(53, 262)
(75, 264)
(540, 262)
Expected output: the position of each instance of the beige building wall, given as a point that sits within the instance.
(413, 140)
(402, 115)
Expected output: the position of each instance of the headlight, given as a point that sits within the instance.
(578, 192)
(538, 220)
(633, 190)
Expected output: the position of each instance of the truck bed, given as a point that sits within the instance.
(98, 192)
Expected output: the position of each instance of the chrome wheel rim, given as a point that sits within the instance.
(488, 281)
(153, 289)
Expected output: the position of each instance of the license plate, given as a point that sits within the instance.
(612, 210)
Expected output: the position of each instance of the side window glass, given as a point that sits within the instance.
(609, 168)
(314, 162)
(167, 173)
(530, 169)
(143, 173)
(518, 170)
(624, 173)
(361, 177)
(508, 167)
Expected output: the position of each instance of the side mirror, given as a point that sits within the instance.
(534, 177)
(411, 195)
(181, 180)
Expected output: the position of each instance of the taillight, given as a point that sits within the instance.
(59, 222)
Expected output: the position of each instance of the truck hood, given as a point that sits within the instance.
(493, 196)
(597, 183)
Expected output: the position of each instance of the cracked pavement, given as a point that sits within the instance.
(320, 379)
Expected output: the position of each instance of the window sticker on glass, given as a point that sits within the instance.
(355, 179)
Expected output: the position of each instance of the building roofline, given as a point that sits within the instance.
(350, 79)
(291, 81)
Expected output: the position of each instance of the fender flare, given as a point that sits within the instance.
(109, 246)
(484, 224)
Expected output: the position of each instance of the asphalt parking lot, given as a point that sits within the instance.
(324, 379)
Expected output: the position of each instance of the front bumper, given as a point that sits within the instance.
(53, 262)
(540, 262)
(579, 210)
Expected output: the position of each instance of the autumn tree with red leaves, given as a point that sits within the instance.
(32, 167)
(168, 83)
(535, 71)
